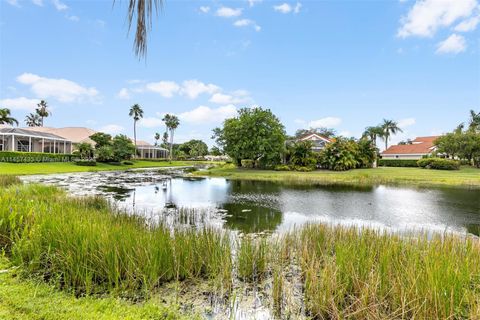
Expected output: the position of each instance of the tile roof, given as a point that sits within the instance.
(315, 134)
(421, 145)
(28, 132)
(74, 134)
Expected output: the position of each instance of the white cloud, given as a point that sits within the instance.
(194, 88)
(165, 88)
(205, 9)
(151, 122)
(453, 44)
(246, 23)
(61, 89)
(20, 103)
(38, 2)
(251, 3)
(297, 8)
(427, 16)
(328, 122)
(236, 97)
(468, 24)
(73, 18)
(203, 114)
(283, 8)
(124, 94)
(13, 3)
(406, 122)
(60, 6)
(226, 12)
(112, 129)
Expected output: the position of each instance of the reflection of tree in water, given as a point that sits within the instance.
(118, 193)
(473, 229)
(257, 220)
(246, 186)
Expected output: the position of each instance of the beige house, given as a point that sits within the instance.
(23, 140)
(62, 140)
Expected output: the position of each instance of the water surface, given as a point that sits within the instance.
(253, 206)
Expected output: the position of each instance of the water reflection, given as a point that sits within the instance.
(250, 206)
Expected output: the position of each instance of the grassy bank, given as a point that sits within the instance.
(465, 177)
(85, 248)
(32, 299)
(65, 167)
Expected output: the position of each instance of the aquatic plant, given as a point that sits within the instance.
(252, 258)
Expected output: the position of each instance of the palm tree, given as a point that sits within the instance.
(33, 120)
(5, 117)
(172, 123)
(373, 133)
(157, 137)
(474, 123)
(42, 111)
(389, 127)
(143, 11)
(137, 113)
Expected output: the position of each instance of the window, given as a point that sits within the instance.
(22, 145)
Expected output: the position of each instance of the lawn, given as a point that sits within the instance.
(30, 299)
(465, 177)
(64, 167)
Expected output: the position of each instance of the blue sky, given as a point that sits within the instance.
(341, 64)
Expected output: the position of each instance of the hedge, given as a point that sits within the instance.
(397, 163)
(86, 163)
(439, 164)
(28, 157)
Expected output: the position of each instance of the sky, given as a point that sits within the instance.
(339, 64)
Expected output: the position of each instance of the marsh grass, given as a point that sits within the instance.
(363, 274)
(85, 246)
(6, 181)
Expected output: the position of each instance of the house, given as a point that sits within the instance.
(421, 146)
(318, 141)
(24, 140)
(61, 140)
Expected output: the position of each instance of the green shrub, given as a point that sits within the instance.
(247, 163)
(339, 155)
(86, 163)
(29, 157)
(397, 163)
(304, 169)
(128, 163)
(283, 167)
(439, 164)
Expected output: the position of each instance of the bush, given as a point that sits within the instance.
(29, 157)
(339, 155)
(128, 163)
(439, 164)
(86, 163)
(403, 163)
(247, 163)
(304, 169)
(283, 167)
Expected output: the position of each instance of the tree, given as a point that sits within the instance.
(156, 137)
(255, 134)
(172, 123)
(373, 133)
(165, 139)
(474, 123)
(33, 120)
(194, 148)
(123, 148)
(143, 11)
(389, 127)
(215, 151)
(101, 139)
(339, 155)
(85, 150)
(136, 113)
(42, 111)
(5, 117)
(300, 153)
(325, 132)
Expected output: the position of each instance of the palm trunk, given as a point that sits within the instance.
(171, 145)
(135, 136)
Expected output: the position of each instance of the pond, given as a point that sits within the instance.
(253, 207)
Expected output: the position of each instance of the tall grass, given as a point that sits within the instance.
(365, 274)
(252, 258)
(85, 246)
(6, 181)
